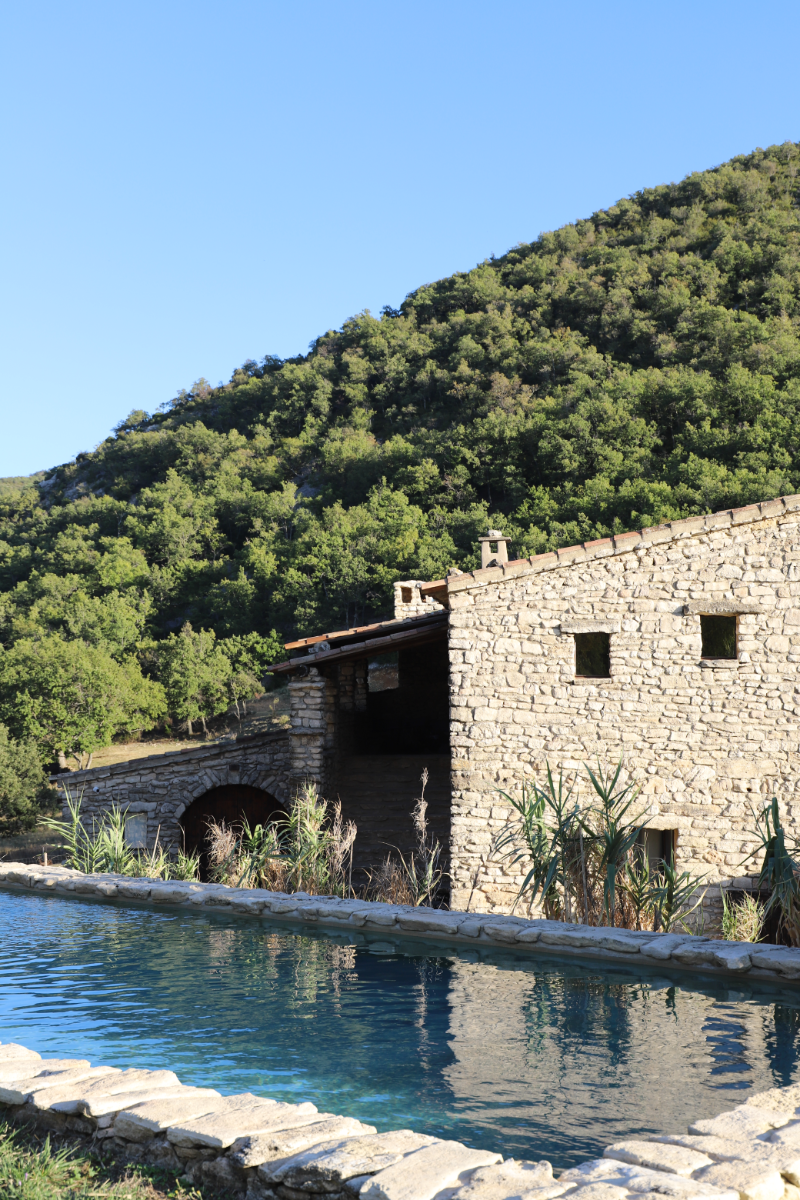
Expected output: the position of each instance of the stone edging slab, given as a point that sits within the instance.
(265, 1149)
(680, 950)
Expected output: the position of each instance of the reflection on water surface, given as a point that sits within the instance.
(532, 1057)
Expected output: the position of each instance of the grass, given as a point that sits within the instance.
(266, 714)
(38, 1166)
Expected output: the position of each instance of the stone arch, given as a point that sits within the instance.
(228, 802)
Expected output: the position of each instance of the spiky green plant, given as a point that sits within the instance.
(638, 884)
(84, 852)
(546, 834)
(779, 870)
(672, 891)
(612, 829)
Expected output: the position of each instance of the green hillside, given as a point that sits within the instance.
(634, 367)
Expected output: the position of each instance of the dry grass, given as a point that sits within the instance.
(389, 883)
(309, 850)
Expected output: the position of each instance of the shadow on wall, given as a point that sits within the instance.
(230, 803)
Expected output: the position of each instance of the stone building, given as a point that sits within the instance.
(674, 648)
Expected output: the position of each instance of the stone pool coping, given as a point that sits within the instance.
(264, 1149)
(530, 937)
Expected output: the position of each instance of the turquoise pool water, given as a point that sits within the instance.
(536, 1058)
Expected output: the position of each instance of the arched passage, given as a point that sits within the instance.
(229, 803)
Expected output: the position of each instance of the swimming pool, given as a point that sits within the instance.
(534, 1057)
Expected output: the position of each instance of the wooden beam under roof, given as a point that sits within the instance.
(414, 632)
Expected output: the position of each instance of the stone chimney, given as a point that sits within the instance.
(409, 603)
(489, 557)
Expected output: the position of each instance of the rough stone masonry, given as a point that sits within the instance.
(710, 730)
(708, 737)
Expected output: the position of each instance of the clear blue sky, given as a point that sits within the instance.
(187, 185)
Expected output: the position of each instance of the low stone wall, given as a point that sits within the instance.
(680, 950)
(264, 1149)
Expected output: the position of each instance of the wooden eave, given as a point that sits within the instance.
(416, 631)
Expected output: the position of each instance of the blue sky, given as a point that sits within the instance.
(187, 185)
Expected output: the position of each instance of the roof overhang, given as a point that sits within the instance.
(372, 640)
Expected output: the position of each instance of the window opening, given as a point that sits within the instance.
(383, 673)
(593, 655)
(658, 845)
(406, 595)
(718, 637)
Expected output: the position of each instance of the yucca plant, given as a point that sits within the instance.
(114, 852)
(259, 859)
(310, 849)
(152, 864)
(612, 829)
(779, 871)
(547, 833)
(84, 852)
(638, 884)
(672, 891)
(185, 866)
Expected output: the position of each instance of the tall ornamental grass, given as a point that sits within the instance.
(103, 847)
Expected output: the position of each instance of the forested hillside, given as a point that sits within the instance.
(637, 366)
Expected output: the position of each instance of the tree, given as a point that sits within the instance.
(72, 699)
(250, 655)
(23, 784)
(635, 367)
(195, 673)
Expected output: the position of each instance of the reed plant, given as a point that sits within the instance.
(780, 871)
(104, 846)
(310, 849)
(742, 920)
(415, 878)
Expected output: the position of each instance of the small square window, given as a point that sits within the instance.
(658, 846)
(719, 637)
(593, 655)
(406, 595)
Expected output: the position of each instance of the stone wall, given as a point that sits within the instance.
(379, 792)
(161, 787)
(706, 738)
(477, 933)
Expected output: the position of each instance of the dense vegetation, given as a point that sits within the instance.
(634, 367)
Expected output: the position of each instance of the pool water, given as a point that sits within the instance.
(538, 1058)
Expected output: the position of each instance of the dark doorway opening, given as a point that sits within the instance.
(230, 803)
(411, 716)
